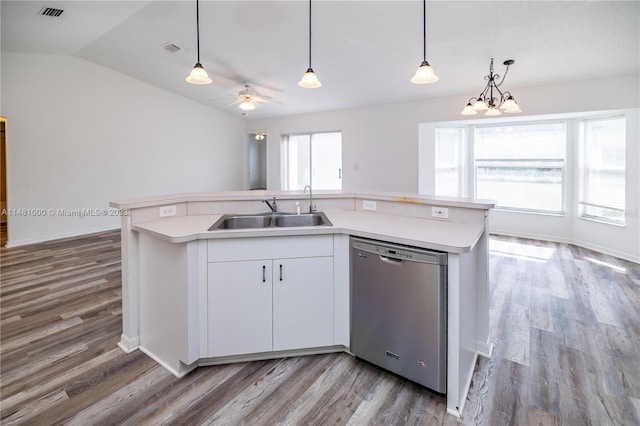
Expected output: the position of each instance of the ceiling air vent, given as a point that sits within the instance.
(171, 47)
(50, 11)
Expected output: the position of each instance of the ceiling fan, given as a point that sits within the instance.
(248, 98)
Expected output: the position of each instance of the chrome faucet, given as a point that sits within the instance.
(274, 206)
(311, 207)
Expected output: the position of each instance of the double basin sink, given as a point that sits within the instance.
(270, 220)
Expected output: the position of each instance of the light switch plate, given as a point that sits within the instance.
(167, 211)
(368, 205)
(440, 212)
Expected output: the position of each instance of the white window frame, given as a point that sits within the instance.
(284, 157)
(584, 176)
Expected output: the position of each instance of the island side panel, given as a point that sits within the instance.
(341, 286)
(165, 308)
(462, 328)
(482, 292)
(130, 339)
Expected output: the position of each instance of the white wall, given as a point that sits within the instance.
(381, 148)
(80, 135)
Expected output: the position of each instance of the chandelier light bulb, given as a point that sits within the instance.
(493, 111)
(510, 106)
(469, 110)
(479, 105)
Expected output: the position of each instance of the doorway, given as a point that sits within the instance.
(258, 160)
(3, 184)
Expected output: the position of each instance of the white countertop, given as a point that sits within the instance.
(469, 203)
(448, 236)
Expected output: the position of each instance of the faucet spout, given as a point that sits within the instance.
(274, 206)
(311, 208)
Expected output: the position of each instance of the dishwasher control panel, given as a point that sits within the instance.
(398, 252)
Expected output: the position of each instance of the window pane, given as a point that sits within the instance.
(603, 169)
(448, 161)
(299, 161)
(527, 185)
(326, 155)
(521, 166)
(312, 159)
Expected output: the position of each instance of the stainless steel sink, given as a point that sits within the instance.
(241, 222)
(270, 220)
(309, 219)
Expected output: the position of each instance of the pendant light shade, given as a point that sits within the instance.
(424, 74)
(309, 79)
(198, 74)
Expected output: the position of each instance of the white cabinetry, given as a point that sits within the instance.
(302, 303)
(239, 307)
(269, 294)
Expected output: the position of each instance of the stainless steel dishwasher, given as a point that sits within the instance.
(399, 310)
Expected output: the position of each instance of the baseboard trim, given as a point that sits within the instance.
(84, 232)
(579, 243)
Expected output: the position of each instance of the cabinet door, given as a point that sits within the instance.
(240, 307)
(302, 303)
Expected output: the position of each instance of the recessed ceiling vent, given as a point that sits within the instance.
(50, 11)
(173, 48)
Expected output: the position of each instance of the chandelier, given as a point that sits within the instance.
(488, 99)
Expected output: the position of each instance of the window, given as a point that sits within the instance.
(521, 166)
(313, 159)
(449, 161)
(602, 160)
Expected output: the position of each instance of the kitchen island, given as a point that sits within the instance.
(188, 297)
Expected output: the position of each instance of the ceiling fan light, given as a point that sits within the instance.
(198, 75)
(247, 105)
(424, 74)
(469, 110)
(309, 80)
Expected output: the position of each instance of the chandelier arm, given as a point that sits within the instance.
(504, 76)
(501, 94)
(484, 92)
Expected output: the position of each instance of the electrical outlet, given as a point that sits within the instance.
(440, 212)
(167, 211)
(368, 205)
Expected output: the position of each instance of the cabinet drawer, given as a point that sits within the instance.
(269, 248)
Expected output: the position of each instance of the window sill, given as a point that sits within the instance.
(602, 221)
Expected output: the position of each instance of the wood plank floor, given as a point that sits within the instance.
(565, 322)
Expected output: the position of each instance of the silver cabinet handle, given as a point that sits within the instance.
(280, 272)
(264, 270)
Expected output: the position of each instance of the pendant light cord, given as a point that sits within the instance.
(309, 33)
(424, 30)
(198, 28)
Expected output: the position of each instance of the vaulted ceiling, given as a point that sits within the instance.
(364, 52)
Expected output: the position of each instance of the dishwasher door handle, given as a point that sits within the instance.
(391, 260)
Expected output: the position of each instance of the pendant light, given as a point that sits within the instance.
(424, 73)
(309, 79)
(198, 74)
